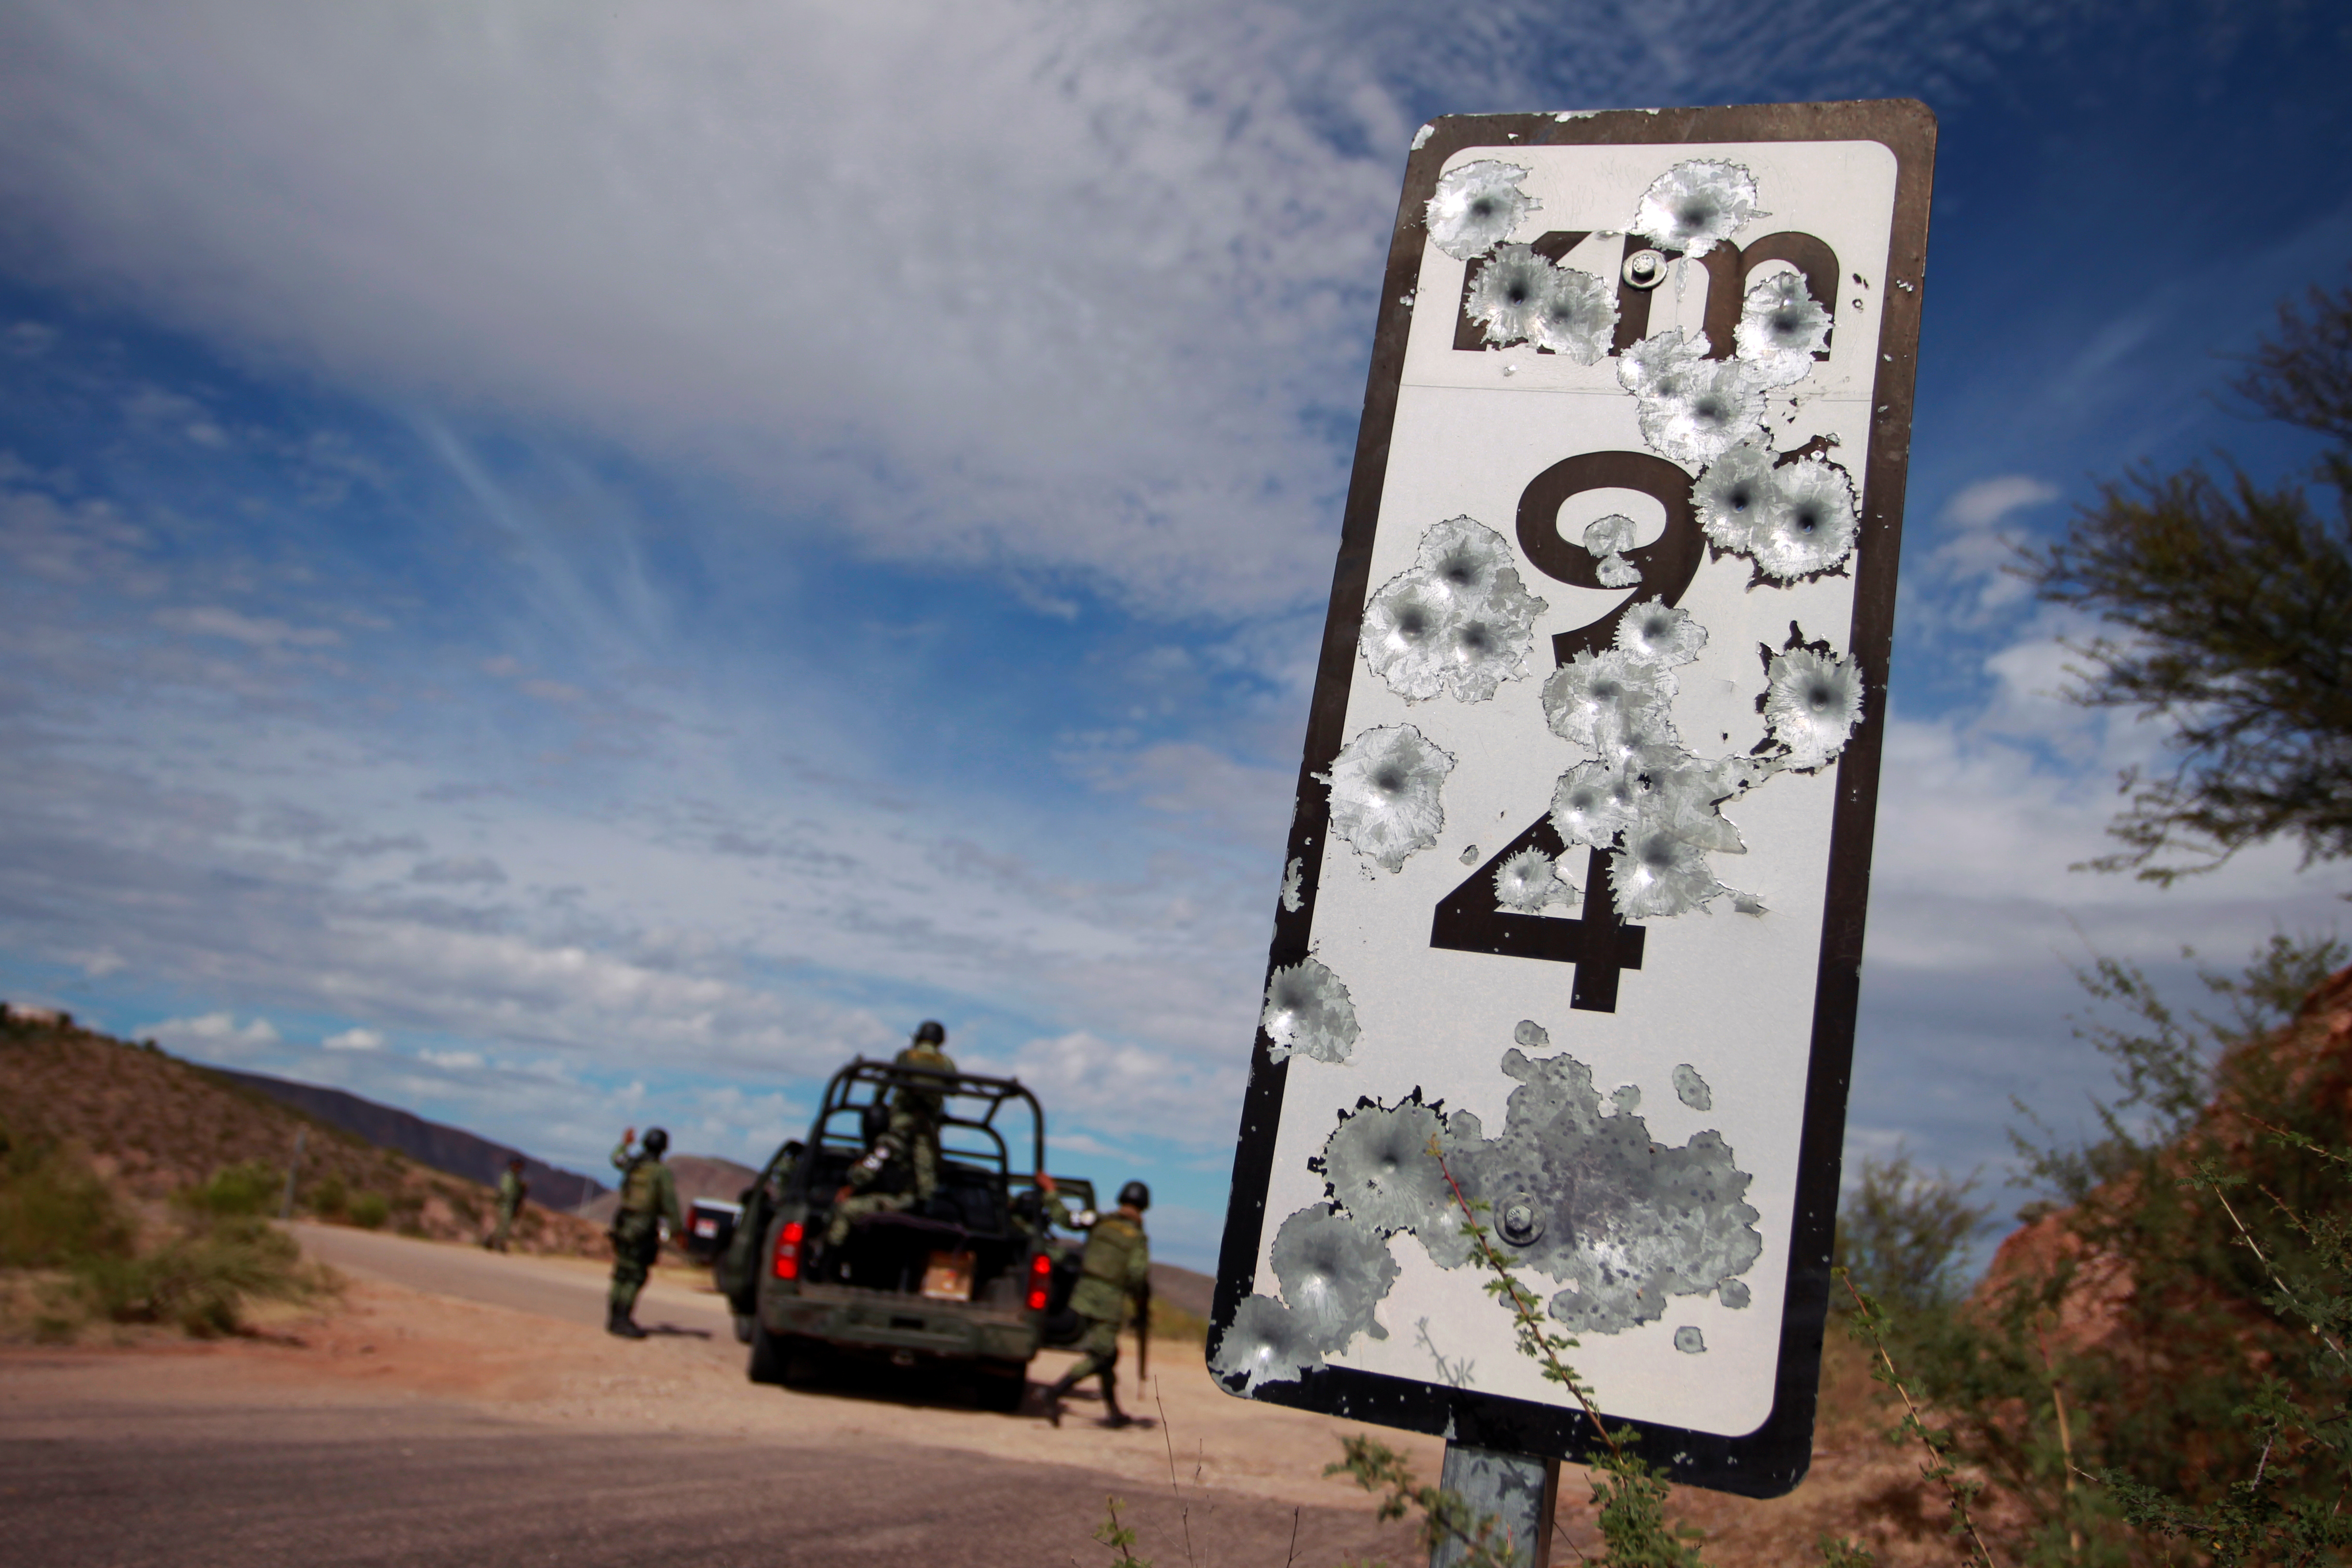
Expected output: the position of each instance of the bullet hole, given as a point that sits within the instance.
(1476, 206)
(1308, 1013)
(1691, 1089)
(1610, 702)
(1458, 620)
(1607, 539)
(1692, 408)
(1660, 873)
(1385, 792)
(1290, 880)
(1528, 881)
(1689, 1341)
(1470, 855)
(1781, 328)
(1695, 204)
(1793, 520)
(1627, 1098)
(1733, 1293)
(1812, 703)
(1334, 1271)
(1531, 1034)
(1508, 296)
(1621, 1222)
(1592, 803)
(1657, 633)
(1377, 1167)
(1264, 1344)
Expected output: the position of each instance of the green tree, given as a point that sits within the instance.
(1903, 1234)
(2231, 610)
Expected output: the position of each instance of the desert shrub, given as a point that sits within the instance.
(54, 1209)
(249, 1188)
(201, 1280)
(369, 1211)
(1171, 1322)
(1903, 1234)
(330, 1196)
(2154, 1344)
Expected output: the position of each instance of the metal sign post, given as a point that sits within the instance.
(1569, 935)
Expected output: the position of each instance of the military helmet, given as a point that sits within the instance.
(656, 1142)
(1134, 1194)
(931, 1032)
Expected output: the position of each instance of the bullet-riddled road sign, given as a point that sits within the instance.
(1573, 915)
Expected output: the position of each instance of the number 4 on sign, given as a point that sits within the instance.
(1599, 942)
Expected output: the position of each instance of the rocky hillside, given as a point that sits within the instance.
(432, 1143)
(156, 1125)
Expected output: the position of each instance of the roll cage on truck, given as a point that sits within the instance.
(971, 1278)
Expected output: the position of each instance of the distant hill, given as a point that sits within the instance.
(444, 1147)
(156, 1125)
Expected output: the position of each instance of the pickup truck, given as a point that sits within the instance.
(972, 1280)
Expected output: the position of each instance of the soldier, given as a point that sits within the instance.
(903, 1166)
(1117, 1268)
(512, 1190)
(648, 1197)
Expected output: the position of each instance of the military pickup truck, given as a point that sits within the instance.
(972, 1280)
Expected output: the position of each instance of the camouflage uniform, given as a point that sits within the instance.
(511, 1188)
(1115, 1269)
(648, 1197)
(907, 1152)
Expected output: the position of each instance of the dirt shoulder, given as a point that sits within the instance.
(552, 1368)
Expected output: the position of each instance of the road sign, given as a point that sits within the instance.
(1573, 913)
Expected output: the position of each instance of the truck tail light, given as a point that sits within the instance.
(1041, 1268)
(787, 1250)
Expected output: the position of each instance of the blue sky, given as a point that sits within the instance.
(566, 569)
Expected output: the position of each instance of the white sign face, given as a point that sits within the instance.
(1572, 919)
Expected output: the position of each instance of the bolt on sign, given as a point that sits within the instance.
(1570, 927)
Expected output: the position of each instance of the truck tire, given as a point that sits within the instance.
(744, 1323)
(769, 1355)
(1001, 1386)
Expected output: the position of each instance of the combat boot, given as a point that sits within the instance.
(1117, 1417)
(1053, 1396)
(617, 1320)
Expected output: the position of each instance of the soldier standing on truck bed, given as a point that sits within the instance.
(513, 1189)
(908, 1149)
(1117, 1267)
(648, 1197)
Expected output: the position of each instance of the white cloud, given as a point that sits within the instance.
(455, 1060)
(1061, 289)
(255, 632)
(353, 1039)
(458, 870)
(1969, 569)
(1985, 503)
(214, 1034)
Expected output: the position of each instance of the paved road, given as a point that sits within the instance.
(289, 1487)
(104, 1465)
(550, 1286)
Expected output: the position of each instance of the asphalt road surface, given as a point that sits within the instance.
(106, 1461)
(290, 1488)
(560, 1287)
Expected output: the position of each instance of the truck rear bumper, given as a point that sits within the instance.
(878, 1320)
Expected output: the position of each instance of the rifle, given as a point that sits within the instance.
(1143, 1331)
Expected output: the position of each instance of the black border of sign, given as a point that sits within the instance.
(1770, 1461)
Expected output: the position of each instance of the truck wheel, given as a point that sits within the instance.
(768, 1355)
(743, 1326)
(1002, 1385)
